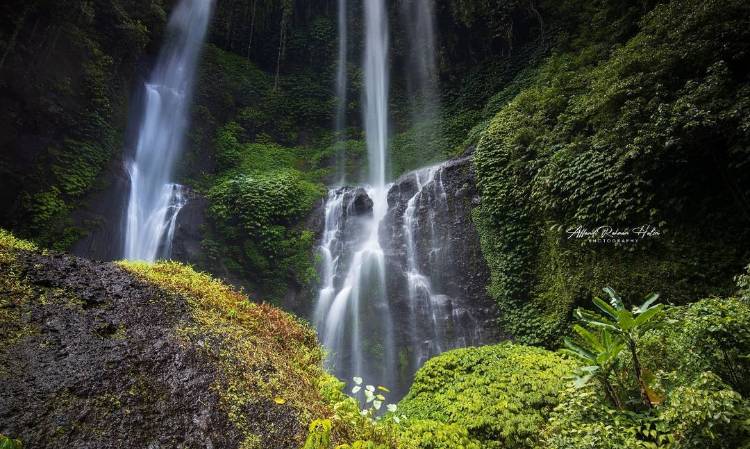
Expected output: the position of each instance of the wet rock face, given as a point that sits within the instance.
(437, 276)
(359, 202)
(101, 365)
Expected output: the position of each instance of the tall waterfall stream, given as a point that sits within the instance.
(155, 200)
(383, 307)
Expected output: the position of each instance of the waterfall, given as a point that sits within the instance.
(388, 298)
(353, 313)
(419, 20)
(341, 84)
(437, 323)
(154, 200)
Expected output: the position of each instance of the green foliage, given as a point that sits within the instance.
(620, 135)
(703, 414)
(617, 328)
(64, 124)
(260, 209)
(691, 365)
(492, 396)
(428, 434)
(709, 335)
(9, 443)
(319, 436)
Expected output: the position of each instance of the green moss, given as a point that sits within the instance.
(490, 397)
(268, 358)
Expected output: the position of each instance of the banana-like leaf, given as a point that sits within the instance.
(614, 298)
(644, 317)
(591, 317)
(625, 320)
(649, 300)
(593, 341)
(605, 307)
(578, 351)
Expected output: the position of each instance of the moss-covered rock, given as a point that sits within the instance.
(128, 355)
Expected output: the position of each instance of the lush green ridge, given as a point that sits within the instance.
(253, 371)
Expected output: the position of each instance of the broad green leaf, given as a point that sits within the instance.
(592, 340)
(625, 320)
(644, 317)
(605, 307)
(649, 300)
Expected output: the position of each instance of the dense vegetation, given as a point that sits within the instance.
(646, 126)
(618, 113)
(66, 72)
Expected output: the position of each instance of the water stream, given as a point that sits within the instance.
(341, 85)
(155, 200)
(390, 297)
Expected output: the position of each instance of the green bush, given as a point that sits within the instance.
(709, 335)
(492, 396)
(705, 414)
(428, 434)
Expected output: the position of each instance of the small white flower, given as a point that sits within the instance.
(358, 380)
(356, 389)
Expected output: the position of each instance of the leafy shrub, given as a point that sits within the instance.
(428, 434)
(704, 414)
(492, 396)
(709, 335)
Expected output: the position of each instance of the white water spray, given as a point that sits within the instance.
(341, 85)
(352, 313)
(154, 200)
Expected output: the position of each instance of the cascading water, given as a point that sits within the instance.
(436, 321)
(383, 307)
(341, 84)
(421, 76)
(154, 200)
(353, 313)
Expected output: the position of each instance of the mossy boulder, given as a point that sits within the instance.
(123, 355)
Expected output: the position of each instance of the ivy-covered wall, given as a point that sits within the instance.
(641, 121)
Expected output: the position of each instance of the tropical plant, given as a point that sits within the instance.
(373, 398)
(600, 354)
(626, 324)
(9, 443)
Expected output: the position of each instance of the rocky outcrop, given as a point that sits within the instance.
(436, 270)
(105, 355)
